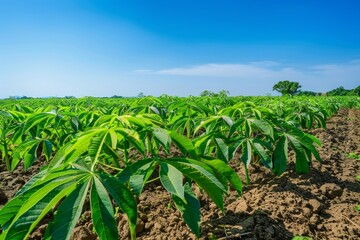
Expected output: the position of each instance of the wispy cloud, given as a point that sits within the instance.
(318, 77)
(258, 69)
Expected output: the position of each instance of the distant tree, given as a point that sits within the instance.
(25, 97)
(287, 87)
(116, 96)
(207, 93)
(308, 93)
(140, 95)
(222, 93)
(356, 91)
(340, 91)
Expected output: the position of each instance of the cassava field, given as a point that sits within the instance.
(180, 168)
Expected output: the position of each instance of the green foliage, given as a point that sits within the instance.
(353, 156)
(287, 87)
(220, 94)
(107, 150)
(301, 238)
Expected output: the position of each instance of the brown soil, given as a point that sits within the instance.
(319, 204)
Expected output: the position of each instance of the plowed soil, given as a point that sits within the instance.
(320, 204)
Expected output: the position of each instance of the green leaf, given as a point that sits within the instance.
(301, 165)
(201, 143)
(123, 197)
(171, 179)
(69, 212)
(264, 156)
(96, 144)
(208, 121)
(37, 205)
(183, 143)
(281, 156)
(113, 138)
(246, 158)
(30, 157)
(190, 209)
(47, 148)
(34, 186)
(357, 208)
(234, 127)
(264, 126)
(223, 149)
(228, 172)
(196, 171)
(72, 151)
(227, 120)
(36, 119)
(133, 137)
(301, 238)
(102, 212)
(140, 172)
(162, 136)
(22, 150)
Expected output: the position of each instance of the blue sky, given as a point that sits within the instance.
(105, 48)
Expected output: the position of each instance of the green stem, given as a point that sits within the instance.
(153, 180)
(108, 166)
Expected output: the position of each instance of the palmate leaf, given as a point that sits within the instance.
(72, 151)
(68, 213)
(102, 212)
(123, 197)
(38, 204)
(198, 172)
(306, 140)
(190, 209)
(37, 119)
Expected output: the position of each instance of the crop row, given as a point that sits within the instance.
(108, 149)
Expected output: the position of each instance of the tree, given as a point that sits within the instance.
(287, 87)
(308, 93)
(222, 93)
(356, 91)
(207, 93)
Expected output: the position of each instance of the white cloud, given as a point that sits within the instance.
(263, 74)
(256, 69)
(266, 69)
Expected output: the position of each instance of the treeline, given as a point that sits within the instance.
(340, 91)
(287, 87)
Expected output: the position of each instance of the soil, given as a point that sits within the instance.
(320, 204)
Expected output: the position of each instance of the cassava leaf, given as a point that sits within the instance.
(102, 212)
(190, 209)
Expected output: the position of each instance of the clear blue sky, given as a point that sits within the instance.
(105, 48)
